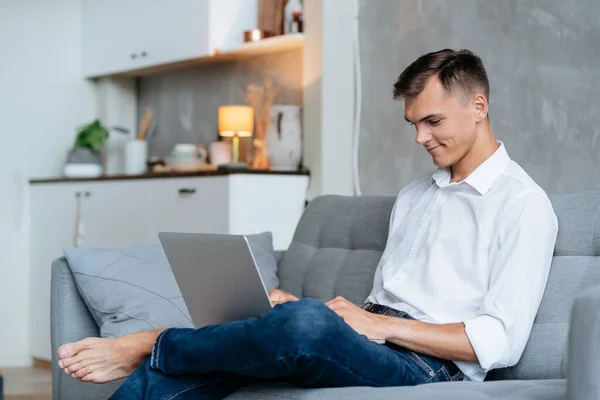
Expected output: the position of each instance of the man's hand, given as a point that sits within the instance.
(446, 341)
(371, 325)
(278, 297)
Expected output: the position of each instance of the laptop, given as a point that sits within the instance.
(217, 276)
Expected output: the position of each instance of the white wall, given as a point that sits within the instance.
(42, 100)
(329, 95)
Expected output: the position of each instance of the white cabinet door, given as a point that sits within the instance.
(108, 44)
(189, 205)
(172, 31)
(124, 35)
(116, 213)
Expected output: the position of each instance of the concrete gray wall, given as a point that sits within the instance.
(543, 61)
(186, 102)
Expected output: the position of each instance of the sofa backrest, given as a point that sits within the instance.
(576, 265)
(336, 248)
(339, 241)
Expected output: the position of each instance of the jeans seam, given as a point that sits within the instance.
(458, 376)
(444, 370)
(155, 357)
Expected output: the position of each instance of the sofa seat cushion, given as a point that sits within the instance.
(554, 389)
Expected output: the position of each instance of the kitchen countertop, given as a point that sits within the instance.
(170, 175)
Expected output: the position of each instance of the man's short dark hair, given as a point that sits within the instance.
(458, 70)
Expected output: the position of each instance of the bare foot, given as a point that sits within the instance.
(103, 360)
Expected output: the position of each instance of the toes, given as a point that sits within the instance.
(81, 373)
(91, 377)
(68, 362)
(77, 366)
(71, 349)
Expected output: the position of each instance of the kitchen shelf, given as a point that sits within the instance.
(271, 45)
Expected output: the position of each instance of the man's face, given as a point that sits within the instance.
(445, 123)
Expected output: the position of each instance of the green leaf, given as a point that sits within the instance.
(92, 135)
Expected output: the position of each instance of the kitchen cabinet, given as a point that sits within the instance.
(121, 36)
(122, 212)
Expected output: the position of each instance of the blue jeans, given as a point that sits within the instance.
(303, 343)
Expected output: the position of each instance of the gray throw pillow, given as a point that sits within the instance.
(132, 289)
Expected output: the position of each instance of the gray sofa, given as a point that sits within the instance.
(335, 251)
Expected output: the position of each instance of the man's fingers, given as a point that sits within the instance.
(276, 298)
(277, 295)
(337, 302)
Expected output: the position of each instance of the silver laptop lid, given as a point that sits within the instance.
(217, 276)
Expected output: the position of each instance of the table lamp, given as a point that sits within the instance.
(236, 122)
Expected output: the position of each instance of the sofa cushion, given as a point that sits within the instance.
(131, 289)
(513, 390)
(336, 248)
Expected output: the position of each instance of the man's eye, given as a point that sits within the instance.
(435, 122)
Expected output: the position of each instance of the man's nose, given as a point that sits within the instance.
(423, 136)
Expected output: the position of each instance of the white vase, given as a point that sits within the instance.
(284, 138)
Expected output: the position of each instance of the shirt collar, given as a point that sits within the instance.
(483, 177)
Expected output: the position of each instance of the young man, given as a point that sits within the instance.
(464, 270)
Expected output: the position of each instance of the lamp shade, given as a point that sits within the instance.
(236, 121)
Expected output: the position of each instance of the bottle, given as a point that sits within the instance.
(292, 6)
(298, 22)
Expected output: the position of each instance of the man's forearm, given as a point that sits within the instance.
(446, 341)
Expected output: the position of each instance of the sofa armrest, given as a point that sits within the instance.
(584, 347)
(70, 321)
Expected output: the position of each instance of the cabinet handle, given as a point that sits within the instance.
(187, 191)
(133, 56)
(83, 194)
(143, 54)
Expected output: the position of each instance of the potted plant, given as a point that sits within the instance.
(88, 143)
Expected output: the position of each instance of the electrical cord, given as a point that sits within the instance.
(358, 102)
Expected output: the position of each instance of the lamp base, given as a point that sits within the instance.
(236, 166)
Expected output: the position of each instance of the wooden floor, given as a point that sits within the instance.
(27, 383)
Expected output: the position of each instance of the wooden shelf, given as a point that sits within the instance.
(265, 46)
(271, 45)
(208, 172)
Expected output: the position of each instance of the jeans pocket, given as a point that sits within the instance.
(427, 369)
(435, 369)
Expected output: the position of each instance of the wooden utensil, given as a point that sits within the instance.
(145, 124)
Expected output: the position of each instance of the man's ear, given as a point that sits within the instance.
(481, 107)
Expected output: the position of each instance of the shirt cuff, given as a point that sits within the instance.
(488, 338)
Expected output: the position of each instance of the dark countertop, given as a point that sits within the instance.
(170, 175)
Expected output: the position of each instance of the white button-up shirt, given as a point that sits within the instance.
(477, 252)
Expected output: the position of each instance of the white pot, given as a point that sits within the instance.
(284, 138)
